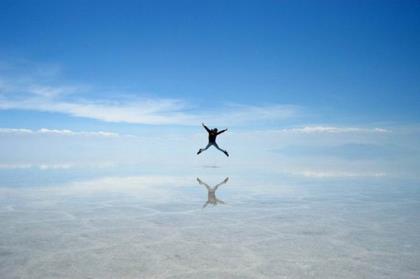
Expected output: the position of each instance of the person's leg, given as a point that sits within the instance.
(224, 151)
(203, 149)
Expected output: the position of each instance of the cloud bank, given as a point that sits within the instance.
(63, 132)
(26, 94)
(334, 130)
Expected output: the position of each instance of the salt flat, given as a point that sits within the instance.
(152, 224)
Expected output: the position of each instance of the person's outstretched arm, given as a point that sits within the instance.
(221, 183)
(205, 127)
(203, 183)
(222, 131)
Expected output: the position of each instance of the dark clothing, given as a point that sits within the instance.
(212, 136)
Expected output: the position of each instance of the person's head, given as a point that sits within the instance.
(214, 130)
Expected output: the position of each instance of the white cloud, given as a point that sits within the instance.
(51, 91)
(57, 166)
(63, 132)
(15, 131)
(31, 94)
(151, 111)
(332, 129)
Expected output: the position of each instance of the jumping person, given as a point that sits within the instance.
(213, 133)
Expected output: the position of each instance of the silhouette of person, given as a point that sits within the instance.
(211, 197)
(213, 133)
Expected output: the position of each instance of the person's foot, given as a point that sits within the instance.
(226, 153)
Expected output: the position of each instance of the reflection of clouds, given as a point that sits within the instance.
(149, 189)
(156, 189)
(336, 174)
(152, 188)
(307, 231)
(15, 166)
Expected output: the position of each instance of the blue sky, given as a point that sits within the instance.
(160, 68)
(359, 57)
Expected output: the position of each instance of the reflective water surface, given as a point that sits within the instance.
(154, 223)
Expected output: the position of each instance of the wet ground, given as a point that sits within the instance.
(205, 222)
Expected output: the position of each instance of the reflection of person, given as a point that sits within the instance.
(211, 198)
(213, 133)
